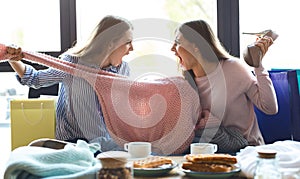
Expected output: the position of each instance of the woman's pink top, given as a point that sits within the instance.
(229, 93)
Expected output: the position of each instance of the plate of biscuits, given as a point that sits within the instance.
(210, 165)
(153, 166)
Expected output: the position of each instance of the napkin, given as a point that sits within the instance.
(287, 156)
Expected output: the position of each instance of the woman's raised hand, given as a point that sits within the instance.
(14, 52)
(264, 43)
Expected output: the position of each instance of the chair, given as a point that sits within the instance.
(285, 124)
(294, 81)
(50, 90)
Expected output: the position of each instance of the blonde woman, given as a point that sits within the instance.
(78, 114)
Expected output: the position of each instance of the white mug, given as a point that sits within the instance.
(203, 148)
(138, 149)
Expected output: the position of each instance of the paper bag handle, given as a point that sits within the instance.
(27, 119)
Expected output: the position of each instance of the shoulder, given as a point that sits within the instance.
(235, 64)
(236, 67)
(69, 58)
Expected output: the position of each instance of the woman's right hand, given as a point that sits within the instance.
(15, 53)
(264, 43)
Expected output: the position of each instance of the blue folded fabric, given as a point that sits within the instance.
(38, 162)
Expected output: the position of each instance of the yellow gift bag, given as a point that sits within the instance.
(31, 119)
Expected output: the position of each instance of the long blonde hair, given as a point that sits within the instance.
(108, 31)
(200, 33)
(195, 31)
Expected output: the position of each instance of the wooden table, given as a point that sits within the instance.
(176, 173)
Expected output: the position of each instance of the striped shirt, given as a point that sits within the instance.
(78, 113)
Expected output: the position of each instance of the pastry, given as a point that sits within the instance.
(212, 158)
(206, 167)
(151, 162)
(209, 162)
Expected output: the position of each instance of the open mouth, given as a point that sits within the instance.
(180, 59)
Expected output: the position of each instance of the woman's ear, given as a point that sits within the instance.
(112, 46)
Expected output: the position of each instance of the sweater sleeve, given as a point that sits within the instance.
(262, 92)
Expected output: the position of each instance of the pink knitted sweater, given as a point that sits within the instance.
(163, 112)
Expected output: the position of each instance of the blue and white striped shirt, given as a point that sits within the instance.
(78, 113)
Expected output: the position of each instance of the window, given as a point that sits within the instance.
(49, 26)
(34, 25)
(12, 89)
(31, 24)
(156, 17)
(280, 16)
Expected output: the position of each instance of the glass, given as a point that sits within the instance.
(31, 24)
(267, 167)
(115, 164)
(259, 15)
(151, 57)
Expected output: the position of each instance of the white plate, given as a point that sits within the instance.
(158, 171)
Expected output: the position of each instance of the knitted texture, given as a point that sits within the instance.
(162, 111)
(39, 162)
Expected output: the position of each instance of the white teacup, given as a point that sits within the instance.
(203, 148)
(138, 149)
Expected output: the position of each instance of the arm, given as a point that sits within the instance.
(27, 75)
(262, 93)
(18, 67)
(15, 62)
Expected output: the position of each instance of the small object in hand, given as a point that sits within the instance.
(264, 33)
(252, 54)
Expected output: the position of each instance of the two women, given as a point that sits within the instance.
(227, 89)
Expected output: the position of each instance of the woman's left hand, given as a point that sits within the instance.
(264, 43)
(203, 118)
